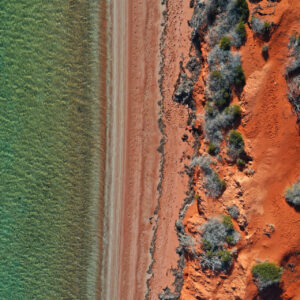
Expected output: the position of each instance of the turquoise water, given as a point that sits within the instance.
(48, 101)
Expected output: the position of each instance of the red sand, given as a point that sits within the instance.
(142, 138)
(272, 140)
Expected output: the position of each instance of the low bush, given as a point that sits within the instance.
(266, 274)
(265, 51)
(225, 257)
(227, 223)
(260, 27)
(242, 9)
(212, 149)
(239, 35)
(234, 12)
(216, 122)
(234, 110)
(266, 28)
(293, 74)
(240, 163)
(230, 240)
(214, 234)
(213, 185)
(215, 237)
(292, 194)
(239, 77)
(233, 211)
(236, 144)
(225, 43)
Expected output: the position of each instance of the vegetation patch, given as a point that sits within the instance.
(239, 35)
(225, 43)
(292, 194)
(239, 77)
(233, 211)
(265, 51)
(217, 235)
(266, 274)
(240, 163)
(213, 184)
(293, 74)
(212, 149)
(242, 9)
(235, 144)
(234, 110)
(262, 28)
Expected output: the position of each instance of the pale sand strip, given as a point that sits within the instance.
(132, 157)
(116, 111)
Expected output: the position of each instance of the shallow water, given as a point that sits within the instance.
(48, 146)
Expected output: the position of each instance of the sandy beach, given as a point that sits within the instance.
(136, 245)
(133, 141)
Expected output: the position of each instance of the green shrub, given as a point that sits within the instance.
(227, 223)
(242, 9)
(266, 28)
(234, 110)
(225, 43)
(240, 163)
(236, 140)
(212, 149)
(224, 99)
(230, 240)
(222, 184)
(265, 51)
(216, 75)
(209, 109)
(225, 256)
(241, 31)
(292, 194)
(236, 144)
(207, 246)
(266, 274)
(239, 77)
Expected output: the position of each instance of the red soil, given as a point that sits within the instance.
(272, 140)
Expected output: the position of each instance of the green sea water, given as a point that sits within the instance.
(48, 120)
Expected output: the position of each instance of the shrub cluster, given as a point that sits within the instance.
(266, 274)
(226, 74)
(225, 43)
(216, 237)
(213, 184)
(292, 194)
(260, 27)
(186, 242)
(235, 144)
(239, 35)
(216, 122)
(233, 13)
(293, 74)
